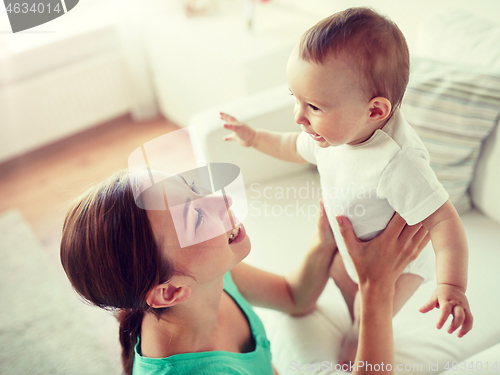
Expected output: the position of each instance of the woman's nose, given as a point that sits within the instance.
(228, 200)
(216, 203)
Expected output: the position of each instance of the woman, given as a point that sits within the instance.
(184, 309)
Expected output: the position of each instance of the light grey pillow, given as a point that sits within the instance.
(457, 36)
(453, 109)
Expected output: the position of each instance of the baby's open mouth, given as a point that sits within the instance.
(316, 137)
(235, 232)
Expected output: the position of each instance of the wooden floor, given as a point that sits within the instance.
(42, 183)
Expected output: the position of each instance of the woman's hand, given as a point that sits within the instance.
(383, 259)
(323, 237)
(379, 263)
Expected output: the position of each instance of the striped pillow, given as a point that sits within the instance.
(453, 110)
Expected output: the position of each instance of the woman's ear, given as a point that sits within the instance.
(380, 108)
(167, 295)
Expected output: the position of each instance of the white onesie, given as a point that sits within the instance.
(367, 182)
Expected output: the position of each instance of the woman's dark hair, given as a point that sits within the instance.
(110, 256)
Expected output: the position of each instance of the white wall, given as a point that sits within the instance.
(407, 14)
(71, 74)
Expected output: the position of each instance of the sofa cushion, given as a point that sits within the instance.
(470, 39)
(315, 338)
(485, 363)
(453, 109)
(486, 184)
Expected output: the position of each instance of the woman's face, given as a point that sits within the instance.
(202, 226)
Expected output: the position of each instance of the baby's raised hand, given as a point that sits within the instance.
(450, 300)
(241, 132)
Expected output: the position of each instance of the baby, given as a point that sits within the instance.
(348, 75)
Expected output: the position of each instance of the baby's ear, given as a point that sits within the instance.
(380, 108)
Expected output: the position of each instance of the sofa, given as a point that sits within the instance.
(453, 101)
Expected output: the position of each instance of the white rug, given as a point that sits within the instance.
(44, 328)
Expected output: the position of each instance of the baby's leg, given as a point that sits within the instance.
(406, 285)
(348, 287)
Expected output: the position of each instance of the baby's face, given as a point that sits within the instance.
(329, 103)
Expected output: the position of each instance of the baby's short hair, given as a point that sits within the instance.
(372, 43)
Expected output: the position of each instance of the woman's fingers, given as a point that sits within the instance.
(395, 226)
(322, 218)
(413, 239)
(423, 243)
(324, 228)
(408, 233)
(345, 226)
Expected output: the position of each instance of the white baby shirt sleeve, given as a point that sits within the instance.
(411, 187)
(306, 147)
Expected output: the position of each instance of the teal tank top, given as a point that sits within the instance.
(257, 362)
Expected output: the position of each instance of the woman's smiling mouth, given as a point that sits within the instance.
(237, 234)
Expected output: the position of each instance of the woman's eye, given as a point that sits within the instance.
(199, 190)
(194, 188)
(314, 108)
(199, 221)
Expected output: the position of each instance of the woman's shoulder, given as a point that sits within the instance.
(256, 325)
(206, 363)
(214, 362)
(228, 281)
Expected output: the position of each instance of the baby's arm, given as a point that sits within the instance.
(296, 293)
(280, 145)
(450, 244)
